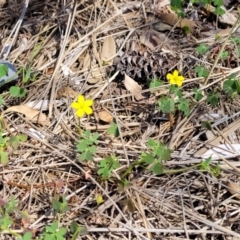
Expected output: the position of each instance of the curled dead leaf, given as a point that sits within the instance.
(169, 18)
(224, 32)
(105, 116)
(31, 114)
(172, 19)
(108, 50)
(133, 87)
(95, 74)
(187, 23)
(234, 188)
(67, 92)
(152, 39)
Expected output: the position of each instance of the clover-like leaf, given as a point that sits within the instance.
(201, 71)
(183, 106)
(213, 99)
(197, 94)
(166, 105)
(113, 129)
(154, 83)
(3, 70)
(202, 48)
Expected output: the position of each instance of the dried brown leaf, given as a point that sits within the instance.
(187, 23)
(95, 74)
(67, 92)
(30, 113)
(105, 116)
(234, 188)
(108, 50)
(224, 32)
(169, 18)
(172, 19)
(161, 26)
(133, 87)
(152, 39)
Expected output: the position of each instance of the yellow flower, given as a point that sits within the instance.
(175, 78)
(82, 106)
(99, 199)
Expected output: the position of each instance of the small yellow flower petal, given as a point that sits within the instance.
(80, 100)
(80, 112)
(172, 81)
(88, 103)
(175, 73)
(88, 110)
(99, 199)
(169, 76)
(179, 83)
(75, 105)
(181, 78)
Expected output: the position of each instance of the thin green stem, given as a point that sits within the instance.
(173, 171)
(130, 168)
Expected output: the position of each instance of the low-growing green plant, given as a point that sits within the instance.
(16, 91)
(6, 142)
(224, 55)
(198, 95)
(174, 100)
(232, 86)
(202, 48)
(213, 98)
(77, 230)
(201, 71)
(3, 70)
(87, 145)
(177, 5)
(27, 74)
(53, 232)
(60, 204)
(113, 129)
(7, 209)
(154, 83)
(107, 165)
(154, 160)
(206, 166)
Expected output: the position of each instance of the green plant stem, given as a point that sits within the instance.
(76, 233)
(130, 168)
(167, 171)
(173, 171)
